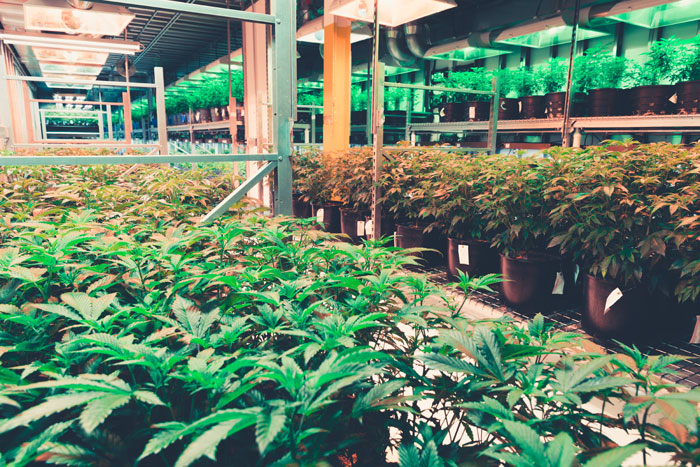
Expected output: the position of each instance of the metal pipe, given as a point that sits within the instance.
(416, 38)
(569, 89)
(80, 4)
(396, 50)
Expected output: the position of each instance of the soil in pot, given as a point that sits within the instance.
(473, 257)
(508, 108)
(652, 100)
(612, 312)
(328, 214)
(528, 282)
(453, 111)
(352, 224)
(300, 209)
(604, 102)
(532, 107)
(688, 97)
(477, 111)
(412, 236)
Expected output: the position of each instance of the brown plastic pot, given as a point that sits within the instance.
(624, 320)
(215, 113)
(688, 97)
(604, 102)
(454, 111)
(477, 111)
(556, 101)
(508, 108)
(300, 209)
(532, 107)
(479, 259)
(348, 223)
(331, 216)
(412, 236)
(652, 100)
(528, 281)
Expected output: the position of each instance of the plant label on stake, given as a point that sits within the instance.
(695, 338)
(319, 215)
(361, 228)
(558, 284)
(612, 299)
(472, 112)
(369, 226)
(463, 252)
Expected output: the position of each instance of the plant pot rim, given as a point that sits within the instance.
(612, 282)
(533, 258)
(346, 208)
(648, 86)
(468, 240)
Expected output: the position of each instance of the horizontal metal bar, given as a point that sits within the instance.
(431, 148)
(191, 8)
(309, 106)
(116, 84)
(51, 101)
(81, 143)
(437, 88)
(238, 193)
(129, 159)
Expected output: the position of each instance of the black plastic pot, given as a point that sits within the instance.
(300, 209)
(652, 100)
(477, 111)
(358, 117)
(412, 236)
(476, 258)
(331, 216)
(348, 223)
(453, 111)
(532, 107)
(688, 97)
(604, 102)
(528, 282)
(508, 109)
(624, 320)
(555, 102)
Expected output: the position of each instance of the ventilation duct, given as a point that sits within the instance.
(80, 4)
(416, 38)
(397, 48)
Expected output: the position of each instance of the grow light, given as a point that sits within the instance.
(545, 34)
(70, 56)
(57, 41)
(391, 13)
(70, 77)
(69, 69)
(660, 16)
(313, 32)
(57, 16)
(466, 54)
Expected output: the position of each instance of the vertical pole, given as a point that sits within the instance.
(190, 117)
(565, 140)
(161, 119)
(285, 86)
(337, 68)
(493, 117)
(44, 132)
(313, 126)
(127, 117)
(100, 124)
(377, 127)
(110, 130)
(5, 112)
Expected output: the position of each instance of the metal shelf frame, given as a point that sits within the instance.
(283, 24)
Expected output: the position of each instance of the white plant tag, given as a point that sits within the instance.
(576, 272)
(472, 112)
(674, 99)
(360, 228)
(612, 299)
(369, 228)
(520, 106)
(463, 252)
(396, 243)
(695, 338)
(558, 284)
(319, 215)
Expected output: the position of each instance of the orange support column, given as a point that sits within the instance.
(337, 62)
(128, 127)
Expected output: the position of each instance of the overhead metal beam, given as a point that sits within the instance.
(116, 84)
(239, 193)
(204, 10)
(127, 159)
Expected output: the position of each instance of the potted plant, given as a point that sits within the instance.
(508, 105)
(451, 104)
(406, 191)
(688, 89)
(656, 78)
(599, 74)
(516, 213)
(351, 178)
(529, 90)
(553, 76)
(311, 183)
(455, 185)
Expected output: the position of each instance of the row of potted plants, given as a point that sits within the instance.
(603, 85)
(627, 219)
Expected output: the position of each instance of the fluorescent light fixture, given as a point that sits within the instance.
(391, 13)
(545, 33)
(61, 41)
(473, 48)
(69, 69)
(661, 16)
(312, 31)
(58, 16)
(70, 56)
